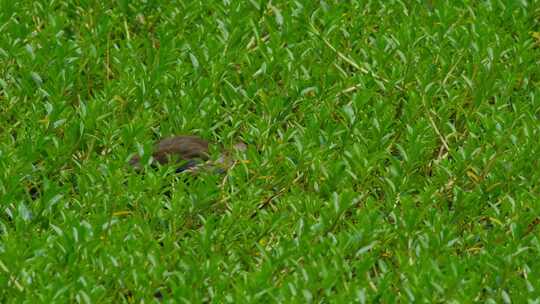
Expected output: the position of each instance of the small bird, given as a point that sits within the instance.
(192, 152)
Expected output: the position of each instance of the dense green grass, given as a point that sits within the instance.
(394, 151)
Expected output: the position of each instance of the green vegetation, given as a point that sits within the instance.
(394, 151)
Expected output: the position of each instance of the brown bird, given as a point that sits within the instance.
(191, 152)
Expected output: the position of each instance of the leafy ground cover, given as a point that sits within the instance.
(393, 151)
